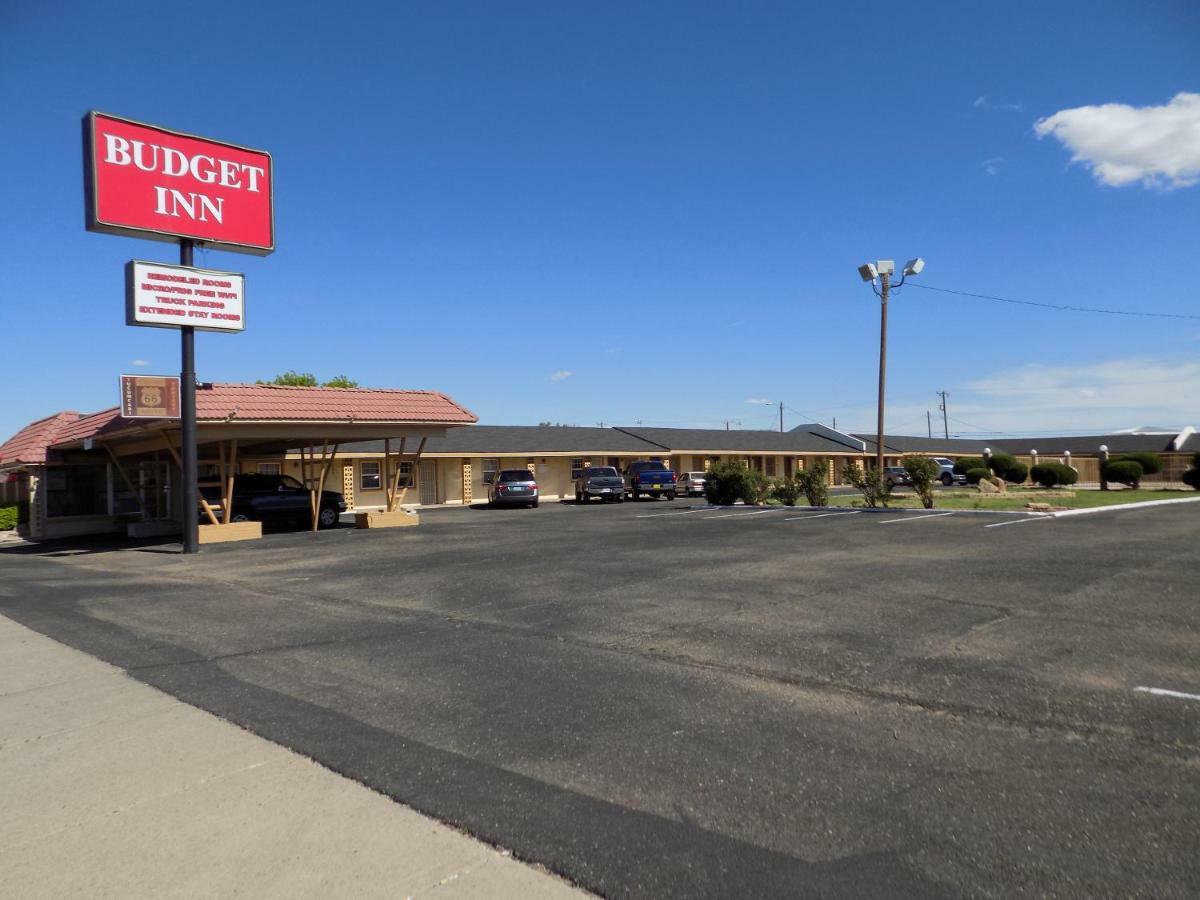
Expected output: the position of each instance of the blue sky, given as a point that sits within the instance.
(616, 212)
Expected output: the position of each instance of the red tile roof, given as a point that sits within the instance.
(269, 402)
(28, 446)
(249, 403)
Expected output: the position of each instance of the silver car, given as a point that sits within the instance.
(513, 487)
(691, 484)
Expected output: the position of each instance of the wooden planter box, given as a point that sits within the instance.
(381, 519)
(234, 531)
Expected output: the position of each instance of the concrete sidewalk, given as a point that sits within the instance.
(112, 789)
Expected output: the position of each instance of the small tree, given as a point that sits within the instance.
(923, 472)
(870, 481)
(340, 381)
(1123, 471)
(293, 379)
(967, 463)
(756, 487)
(1053, 473)
(976, 475)
(814, 481)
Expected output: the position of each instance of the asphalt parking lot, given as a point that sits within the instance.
(658, 699)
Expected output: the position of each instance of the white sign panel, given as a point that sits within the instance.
(166, 296)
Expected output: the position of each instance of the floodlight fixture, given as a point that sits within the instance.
(867, 271)
(886, 266)
(914, 266)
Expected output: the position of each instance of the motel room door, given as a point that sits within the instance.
(427, 482)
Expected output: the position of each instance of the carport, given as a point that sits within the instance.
(136, 462)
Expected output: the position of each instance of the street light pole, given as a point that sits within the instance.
(884, 280)
(883, 270)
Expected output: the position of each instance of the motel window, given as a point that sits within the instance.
(368, 476)
(406, 474)
(490, 467)
(771, 466)
(578, 465)
(76, 491)
(268, 468)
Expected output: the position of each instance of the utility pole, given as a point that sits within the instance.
(945, 415)
(928, 425)
(781, 417)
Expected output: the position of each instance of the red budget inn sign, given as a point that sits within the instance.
(150, 182)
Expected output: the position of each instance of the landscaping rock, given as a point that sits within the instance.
(987, 487)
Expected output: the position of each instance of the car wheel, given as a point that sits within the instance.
(239, 517)
(670, 495)
(533, 505)
(621, 499)
(327, 517)
(947, 479)
(891, 485)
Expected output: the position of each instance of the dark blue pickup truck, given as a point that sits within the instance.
(652, 478)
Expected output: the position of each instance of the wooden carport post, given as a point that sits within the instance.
(416, 459)
(315, 493)
(227, 473)
(212, 516)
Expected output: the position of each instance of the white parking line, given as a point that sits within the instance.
(684, 513)
(1017, 521)
(823, 515)
(916, 518)
(743, 514)
(1163, 692)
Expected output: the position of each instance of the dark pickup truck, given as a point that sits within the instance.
(272, 498)
(599, 481)
(651, 478)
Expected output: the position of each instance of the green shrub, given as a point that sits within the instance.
(1150, 462)
(786, 490)
(1123, 471)
(731, 480)
(1009, 468)
(723, 483)
(923, 472)
(1192, 478)
(8, 517)
(967, 463)
(1053, 473)
(974, 476)
(870, 481)
(814, 481)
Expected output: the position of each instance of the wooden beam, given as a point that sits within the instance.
(416, 459)
(137, 495)
(232, 473)
(328, 463)
(394, 486)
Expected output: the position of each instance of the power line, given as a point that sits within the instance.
(1060, 307)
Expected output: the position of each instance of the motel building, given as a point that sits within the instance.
(74, 474)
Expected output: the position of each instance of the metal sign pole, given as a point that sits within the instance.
(187, 404)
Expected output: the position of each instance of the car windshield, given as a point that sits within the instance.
(289, 482)
(600, 472)
(515, 475)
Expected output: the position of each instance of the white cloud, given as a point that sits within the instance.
(561, 375)
(760, 401)
(1156, 145)
(992, 166)
(1060, 400)
(1119, 393)
(982, 102)
(140, 362)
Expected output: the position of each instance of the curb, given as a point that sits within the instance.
(1117, 507)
